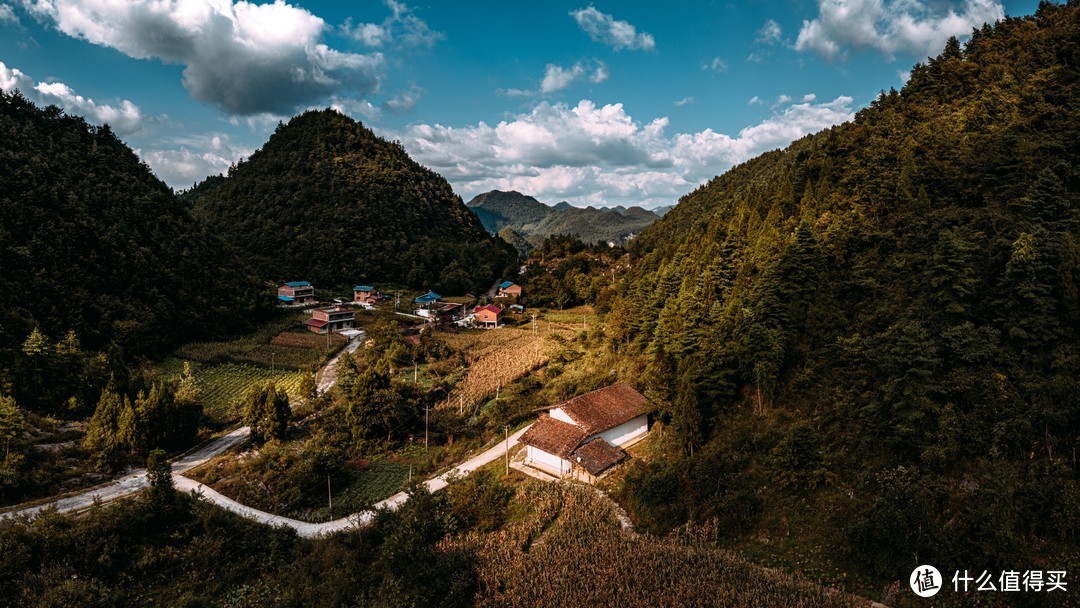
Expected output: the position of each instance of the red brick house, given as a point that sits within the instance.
(296, 292)
(488, 316)
(332, 319)
(366, 294)
(508, 289)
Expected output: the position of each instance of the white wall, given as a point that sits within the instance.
(558, 414)
(625, 432)
(547, 461)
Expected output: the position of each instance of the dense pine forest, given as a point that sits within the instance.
(327, 201)
(870, 341)
(97, 255)
(863, 350)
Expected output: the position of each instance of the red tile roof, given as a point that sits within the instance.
(606, 408)
(553, 436)
(489, 308)
(315, 323)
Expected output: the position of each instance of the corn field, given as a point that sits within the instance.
(569, 551)
(497, 358)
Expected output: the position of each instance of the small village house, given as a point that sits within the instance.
(296, 292)
(584, 437)
(508, 289)
(366, 294)
(426, 302)
(488, 316)
(331, 320)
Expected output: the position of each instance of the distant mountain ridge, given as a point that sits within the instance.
(532, 221)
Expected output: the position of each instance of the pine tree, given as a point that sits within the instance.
(267, 412)
(12, 423)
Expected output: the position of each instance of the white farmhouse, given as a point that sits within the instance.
(584, 436)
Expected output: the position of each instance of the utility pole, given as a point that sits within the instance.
(506, 432)
(329, 497)
(414, 372)
(460, 405)
(583, 325)
(426, 410)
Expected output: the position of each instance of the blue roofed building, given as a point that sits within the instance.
(296, 293)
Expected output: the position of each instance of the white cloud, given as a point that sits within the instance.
(7, 14)
(127, 118)
(716, 64)
(590, 154)
(404, 101)
(601, 74)
(241, 57)
(809, 97)
(903, 75)
(604, 28)
(755, 101)
(769, 33)
(13, 78)
(124, 118)
(684, 101)
(781, 100)
(402, 26)
(914, 27)
(517, 92)
(193, 159)
(557, 78)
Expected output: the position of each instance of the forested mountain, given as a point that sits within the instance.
(327, 201)
(534, 221)
(92, 243)
(870, 341)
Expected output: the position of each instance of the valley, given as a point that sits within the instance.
(323, 379)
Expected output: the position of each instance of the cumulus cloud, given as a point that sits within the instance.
(124, 118)
(755, 101)
(685, 101)
(914, 27)
(193, 159)
(241, 57)
(588, 153)
(617, 34)
(401, 27)
(769, 33)
(7, 14)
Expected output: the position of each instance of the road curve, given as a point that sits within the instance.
(313, 530)
(135, 481)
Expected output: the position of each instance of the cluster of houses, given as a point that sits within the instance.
(430, 306)
(586, 437)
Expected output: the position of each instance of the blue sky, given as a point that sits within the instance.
(599, 103)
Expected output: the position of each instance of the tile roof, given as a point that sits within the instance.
(505, 284)
(315, 323)
(598, 456)
(363, 288)
(298, 284)
(286, 298)
(606, 408)
(489, 308)
(553, 436)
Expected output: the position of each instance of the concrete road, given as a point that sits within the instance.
(137, 480)
(312, 530)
